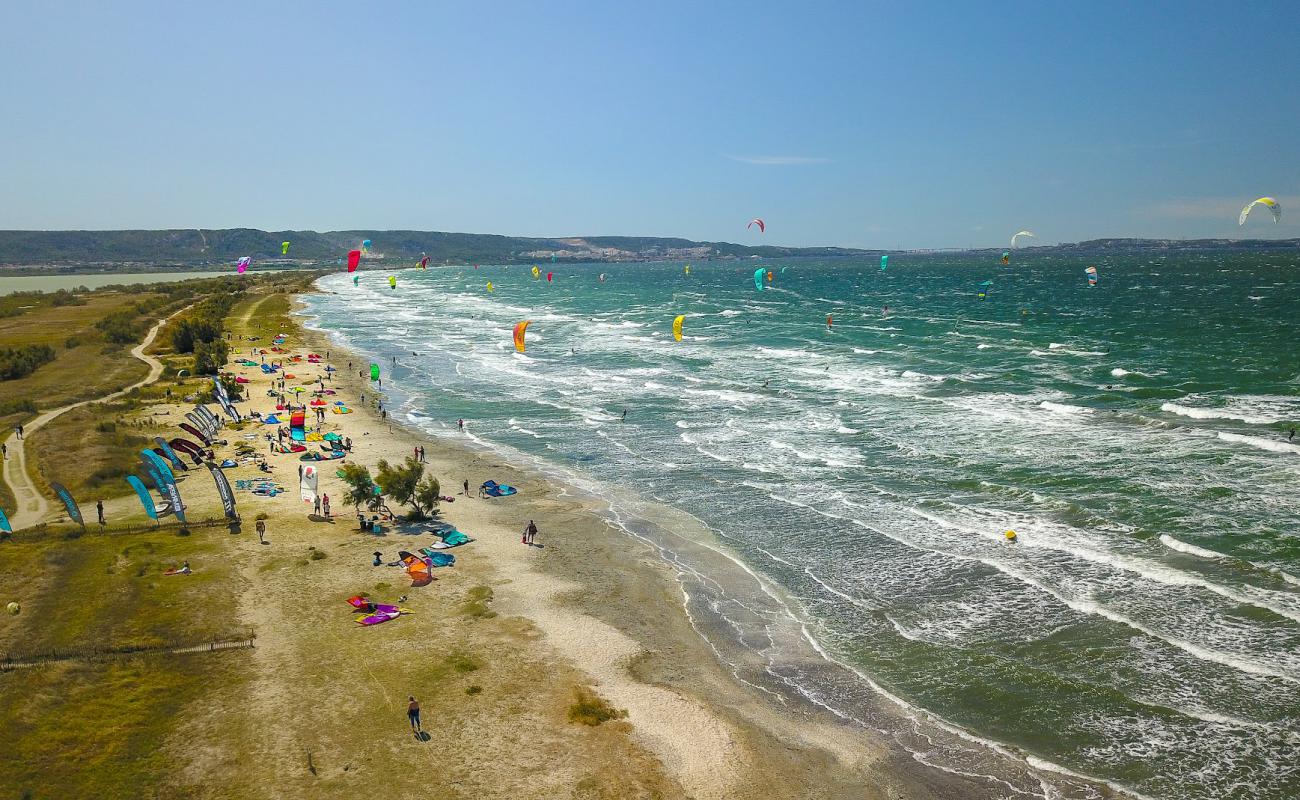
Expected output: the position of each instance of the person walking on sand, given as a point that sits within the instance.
(532, 533)
(261, 531)
(4, 450)
(20, 431)
(316, 506)
(99, 509)
(413, 714)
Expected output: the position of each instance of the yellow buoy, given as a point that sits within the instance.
(1011, 536)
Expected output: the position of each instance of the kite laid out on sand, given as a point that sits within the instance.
(374, 613)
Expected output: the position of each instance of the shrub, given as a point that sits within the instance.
(589, 708)
(19, 362)
(210, 357)
(121, 327)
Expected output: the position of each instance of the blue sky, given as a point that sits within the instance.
(858, 124)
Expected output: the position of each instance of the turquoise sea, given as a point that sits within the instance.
(1144, 629)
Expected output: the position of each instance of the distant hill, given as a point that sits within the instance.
(1153, 245)
(110, 250)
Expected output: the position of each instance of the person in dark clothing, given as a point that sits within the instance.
(99, 509)
(413, 714)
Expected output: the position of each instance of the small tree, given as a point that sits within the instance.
(403, 483)
(361, 487)
(210, 357)
(427, 494)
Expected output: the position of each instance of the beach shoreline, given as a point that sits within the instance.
(609, 601)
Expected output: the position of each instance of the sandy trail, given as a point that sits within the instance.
(32, 505)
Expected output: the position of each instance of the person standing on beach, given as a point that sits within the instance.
(460, 424)
(467, 487)
(261, 531)
(99, 509)
(413, 714)
(325, 506)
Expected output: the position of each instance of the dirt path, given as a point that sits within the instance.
(32, 505)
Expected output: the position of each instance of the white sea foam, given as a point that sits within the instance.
(1062, 408)
(1190, 549)
(1216, 413)
(1119, 372)
(1272, 445)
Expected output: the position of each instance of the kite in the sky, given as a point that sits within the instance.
(688, 269)
(354, 258)
(1268, 202)
(1018, 234)
(1091, 272)
(762, 226)
(884, 262)
(284, 248)
(424, 262)
(519, 335)
(984, 290)
(549, 275)
(677, 327)
(365, 246)
(392, 281)
(1006, 257)
(242, 264)
(537, 273)
(758, 278)
(490, 287)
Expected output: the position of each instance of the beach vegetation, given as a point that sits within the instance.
(589, 708)
(19, 362)
(360, 486)
(405, 483)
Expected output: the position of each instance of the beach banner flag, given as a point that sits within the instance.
(220, 391)
(74, 513)
(223, 489)
(174, 497)
(158, 481)
(169, 452)
(188, 448)
(163, 470)
(196, 433)
(4, 523)
(309, 482)
(213, 422)
(146, 499)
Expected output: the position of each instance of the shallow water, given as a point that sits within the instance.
(1144, 629)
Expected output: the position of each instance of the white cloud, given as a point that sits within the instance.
(778, 161)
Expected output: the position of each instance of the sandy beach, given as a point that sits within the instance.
(497, 648)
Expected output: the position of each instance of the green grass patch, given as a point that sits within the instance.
(476, 603)
(589, 708)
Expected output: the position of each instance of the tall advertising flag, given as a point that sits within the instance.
(223, 489)
(146, 499)
(74, 513)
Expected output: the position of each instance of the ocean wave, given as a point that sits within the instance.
(1190, 549)
(1215, 413)
(1063, 408)
(1272, 445)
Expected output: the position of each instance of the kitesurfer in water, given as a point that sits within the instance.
(624, 417)
(1290, 435)
(884, 312)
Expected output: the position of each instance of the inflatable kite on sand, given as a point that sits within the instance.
(374, 613)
